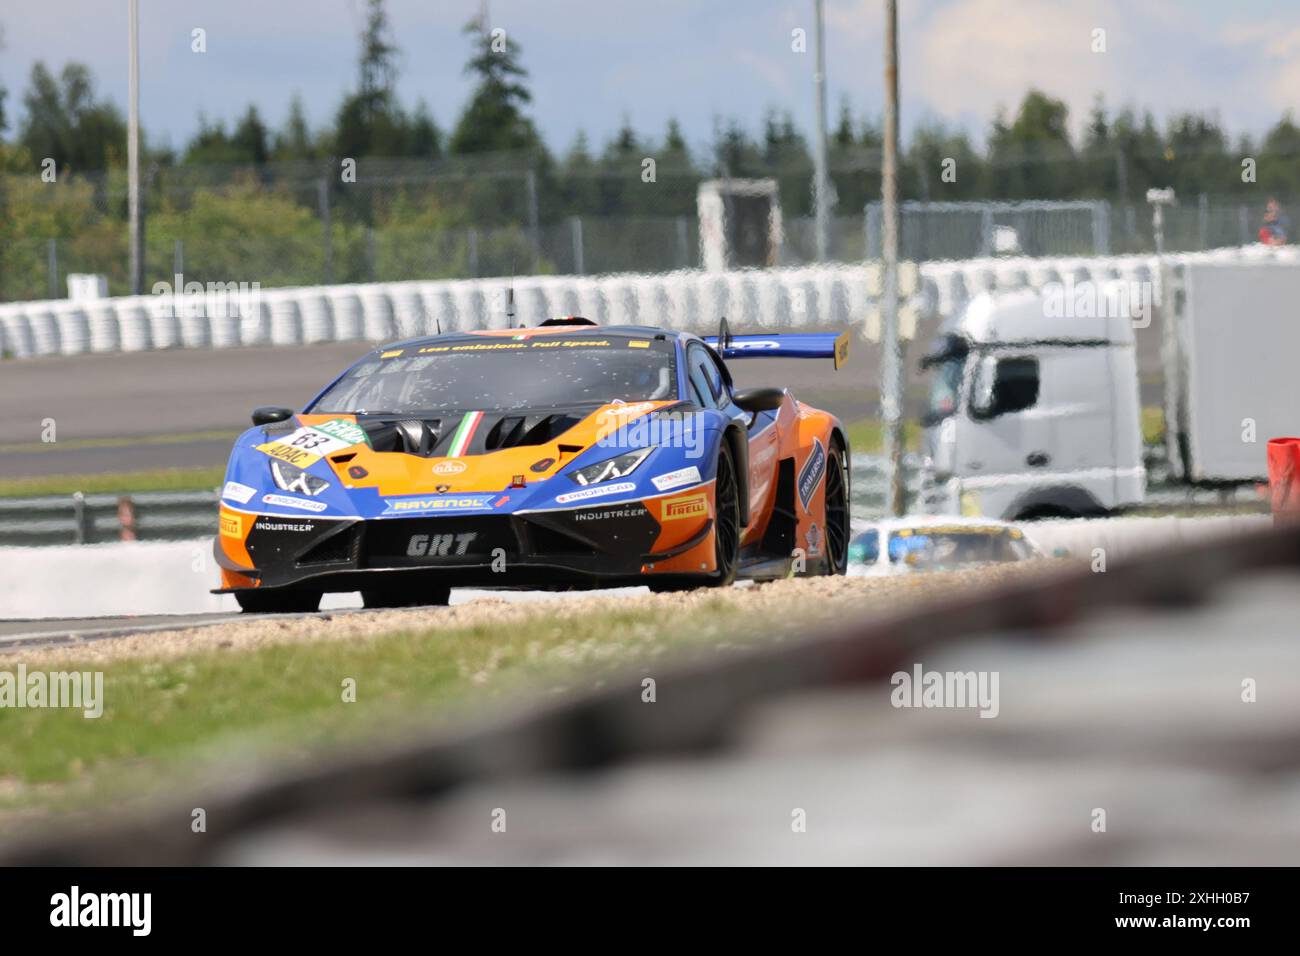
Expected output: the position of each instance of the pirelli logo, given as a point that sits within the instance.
(690, 506)
(230, 527)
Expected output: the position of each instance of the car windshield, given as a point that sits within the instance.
(955, 547)
(499, 374)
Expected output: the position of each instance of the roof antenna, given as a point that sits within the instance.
(724, 335)
(437, 324)
(510, 299)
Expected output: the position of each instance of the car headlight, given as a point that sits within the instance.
(292, 478)
(618, 467)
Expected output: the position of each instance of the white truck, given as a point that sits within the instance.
(1034, 406)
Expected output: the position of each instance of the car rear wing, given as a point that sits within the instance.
(829, 345)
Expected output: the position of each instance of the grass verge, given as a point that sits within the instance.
(177, 705)
(162, 715)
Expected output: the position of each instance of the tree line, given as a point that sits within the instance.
(248, 182)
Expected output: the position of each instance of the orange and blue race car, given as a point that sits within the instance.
(565, 456)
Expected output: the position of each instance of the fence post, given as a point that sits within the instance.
(986, 232)
(683, 242)
(533, 228)
(52, 266)
(178, 260)
(578, 264)
(327, 230)
(371, 256)
(1243, 224)
(81, 524)
(871, 227)
(1101, 228)
(472, 240)
(1203, 219)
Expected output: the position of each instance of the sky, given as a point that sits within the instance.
(594, 62)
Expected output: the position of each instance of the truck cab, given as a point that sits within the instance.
(1031, 415)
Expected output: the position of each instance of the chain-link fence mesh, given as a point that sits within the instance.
(308, 223)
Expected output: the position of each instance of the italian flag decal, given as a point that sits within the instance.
(464, 432)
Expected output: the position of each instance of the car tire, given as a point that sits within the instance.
(837, 512)
(726, 533)
(277, 601)
(726, 525)
(405, 597)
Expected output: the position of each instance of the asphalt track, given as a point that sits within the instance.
(186, 392)
(29, 633)
(99, 403)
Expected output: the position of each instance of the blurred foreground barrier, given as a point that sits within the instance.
(1130, 693)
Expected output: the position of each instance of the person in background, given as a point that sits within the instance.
(1276, 230)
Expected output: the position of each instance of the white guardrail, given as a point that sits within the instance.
(827, 296)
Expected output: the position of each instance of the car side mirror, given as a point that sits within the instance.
(764, 399)
(268, 414)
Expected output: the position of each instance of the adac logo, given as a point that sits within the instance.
(450, 467)
(230, 526)
(691, 506)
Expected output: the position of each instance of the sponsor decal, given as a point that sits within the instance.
(356, 471)
(597, 491)
(810, 475)
(284, 501)
(631, 511)
(320, 443)
(442, 503)
(543, 465)
(675, 479)
(393, 354)
(619, 407)
(343, 430)
(691, 506)
(287, 453)
(439, 545)
(240, 494)
(638, 344)
(500, 501)
(464, 434)
(263, 524)
(841, 350)
(759, 345)
(230, 527)
(450, 467)
(814, 538)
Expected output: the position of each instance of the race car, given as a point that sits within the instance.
(936, 543)
(563, 456)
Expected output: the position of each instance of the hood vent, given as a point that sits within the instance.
(434, 437)
(411, 436)
(517, 431)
